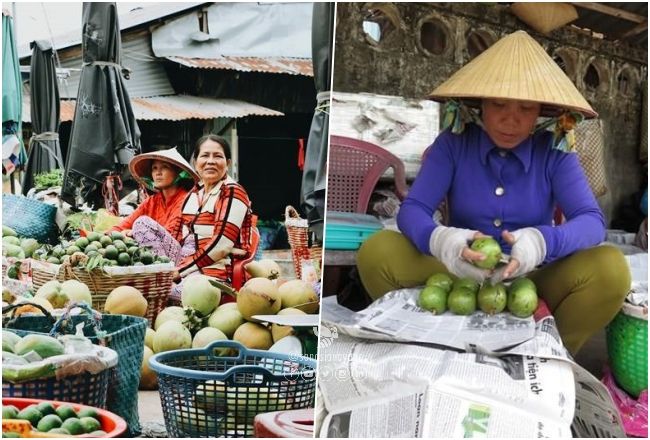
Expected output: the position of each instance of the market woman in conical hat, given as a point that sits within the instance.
(503, 173)
(169, 177)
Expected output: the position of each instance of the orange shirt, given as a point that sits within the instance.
(162, 211)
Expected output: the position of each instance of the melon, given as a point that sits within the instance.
(148, 377)
(148, 338)
(266, 268)
(206, 336)
(258, 296)
(173, 313)
(280, 331)
(77, 291)
(300, 295)
(126, 300)
(199, 294)
(226, 318)
(45, 346)
(52, 292)
(211, 396)
(172, 335)
(254, 336)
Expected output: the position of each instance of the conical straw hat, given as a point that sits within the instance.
(544, 17)
(140, 165)
(515, 67)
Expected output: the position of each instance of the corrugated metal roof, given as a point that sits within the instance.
(292, 66)
(135, 17)
(174, 108)
(148, 76)
(181, 107)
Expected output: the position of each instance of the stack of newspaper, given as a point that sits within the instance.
(395, 370)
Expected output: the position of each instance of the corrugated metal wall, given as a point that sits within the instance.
(148, 77)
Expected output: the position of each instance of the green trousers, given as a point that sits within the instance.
(584, 291)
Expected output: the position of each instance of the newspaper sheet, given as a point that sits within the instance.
(371, 379)
(352, 378)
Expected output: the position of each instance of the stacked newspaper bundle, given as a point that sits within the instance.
(477, 376)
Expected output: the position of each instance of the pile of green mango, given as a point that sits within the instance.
(110, 249)
(63, 419)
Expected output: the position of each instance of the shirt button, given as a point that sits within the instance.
(497, 222)
(503, 153)
(499, 191)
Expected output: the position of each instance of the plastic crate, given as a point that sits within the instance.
(346, 230)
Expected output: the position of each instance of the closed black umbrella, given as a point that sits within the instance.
(44, 147)
(314, 179)
(105, 135)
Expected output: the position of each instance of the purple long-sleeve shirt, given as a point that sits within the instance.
(491, 190)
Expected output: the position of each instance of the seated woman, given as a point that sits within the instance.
(504, 177)
(170, 177)
(217, 213)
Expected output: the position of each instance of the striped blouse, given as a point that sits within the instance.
(220, 220)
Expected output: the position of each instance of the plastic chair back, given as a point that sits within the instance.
(355, 167)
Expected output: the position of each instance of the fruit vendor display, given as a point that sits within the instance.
(464, 296)
(98, 250)
(201, 320)
(54, 418)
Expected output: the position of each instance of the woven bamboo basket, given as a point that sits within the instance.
(298, 233)
(155, 286)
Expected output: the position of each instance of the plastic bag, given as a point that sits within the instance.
(105, 220)
(634, 413)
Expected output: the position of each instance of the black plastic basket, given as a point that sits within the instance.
(218, 390)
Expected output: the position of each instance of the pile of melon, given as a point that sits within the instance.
(201, 320)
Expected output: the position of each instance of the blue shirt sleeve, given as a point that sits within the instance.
(415, 217)
(585, 222)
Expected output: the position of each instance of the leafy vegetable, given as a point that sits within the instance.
(50, 179)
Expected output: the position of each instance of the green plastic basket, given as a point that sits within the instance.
(124, 334)
(627, 346)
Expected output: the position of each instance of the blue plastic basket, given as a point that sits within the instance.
(346, 230)
(218, 390)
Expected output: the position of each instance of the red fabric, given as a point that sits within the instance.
(162, 211)
(301, 154)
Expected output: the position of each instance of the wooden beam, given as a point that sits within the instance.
(608, 10)
(641, 27)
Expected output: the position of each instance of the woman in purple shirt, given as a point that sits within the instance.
(504, 178)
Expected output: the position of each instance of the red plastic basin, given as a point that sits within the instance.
(112, 424)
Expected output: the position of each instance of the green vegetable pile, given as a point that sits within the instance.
(48, 180)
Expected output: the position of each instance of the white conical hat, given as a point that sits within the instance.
(140, 165)
(515, 67)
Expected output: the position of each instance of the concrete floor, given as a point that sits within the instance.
(151, 416)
